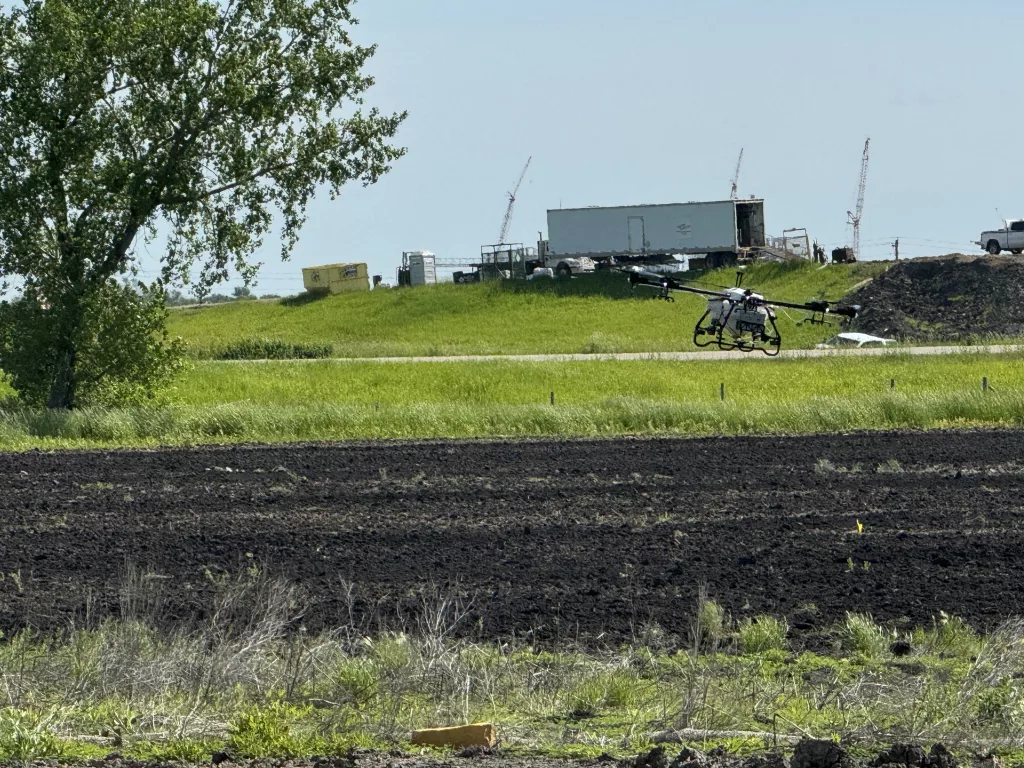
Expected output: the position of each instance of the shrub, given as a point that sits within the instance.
(123, 355)
(273, 349)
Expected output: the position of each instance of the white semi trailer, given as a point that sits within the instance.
(724, 230)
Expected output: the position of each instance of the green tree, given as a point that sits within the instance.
(195, 123)
(123, 352)
(201, 292)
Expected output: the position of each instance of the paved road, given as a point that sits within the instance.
(991, 349)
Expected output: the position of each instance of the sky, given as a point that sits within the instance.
(650, 101)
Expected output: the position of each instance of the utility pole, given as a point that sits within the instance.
(896, 246)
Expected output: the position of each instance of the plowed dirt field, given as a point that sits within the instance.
(566, 539)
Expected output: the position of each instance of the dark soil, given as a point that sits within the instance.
(949, 298)
(808, 753)
(568, 540)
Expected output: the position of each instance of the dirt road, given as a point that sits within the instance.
(574, 540)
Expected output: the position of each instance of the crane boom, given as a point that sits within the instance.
(512, 203)
(736, 179)
(855, 218)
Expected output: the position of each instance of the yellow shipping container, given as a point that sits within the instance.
(336, 278)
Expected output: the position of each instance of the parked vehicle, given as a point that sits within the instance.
(1010, 238)
(567, 266)
(854, 340)
(723, 230)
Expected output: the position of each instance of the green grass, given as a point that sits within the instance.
(335, 400)
(244, 683)
(590, 314)
(749, 382)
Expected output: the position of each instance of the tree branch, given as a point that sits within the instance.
(208, 193)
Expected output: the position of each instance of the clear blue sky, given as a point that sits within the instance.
(650, 101)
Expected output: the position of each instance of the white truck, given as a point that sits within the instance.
(542, 262)
(566, 266)
(1010, 238)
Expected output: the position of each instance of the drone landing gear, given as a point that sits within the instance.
(701, 330)
(816, 318)
(764, 338)
(665, 294)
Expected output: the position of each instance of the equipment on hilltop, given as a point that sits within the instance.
(738, 318)
(735, 194)
(512, 203)
(856, 217)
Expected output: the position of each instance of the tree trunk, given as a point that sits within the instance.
(65, 380)
(62, 393)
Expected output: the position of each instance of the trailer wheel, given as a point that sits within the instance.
(993, 247)
(563, 270)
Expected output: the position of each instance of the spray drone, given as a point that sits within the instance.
(738, 318)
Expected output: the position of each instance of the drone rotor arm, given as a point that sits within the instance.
(652, 280)
(819, 307)
(850, 312)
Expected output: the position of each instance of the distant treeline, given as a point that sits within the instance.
(178, 299)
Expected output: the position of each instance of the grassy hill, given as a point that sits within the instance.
(588, 314)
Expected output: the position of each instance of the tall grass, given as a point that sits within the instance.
(244, 679)
(330, 400)
(746, 382)
(763, 634)
(860, 634)
(246, 422)
(592, 313)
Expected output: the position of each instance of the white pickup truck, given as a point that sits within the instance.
(1009, 239)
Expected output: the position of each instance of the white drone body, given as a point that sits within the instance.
(739, 312)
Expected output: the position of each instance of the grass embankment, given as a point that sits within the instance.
(594, 313)
(324, 400)
(246, 682)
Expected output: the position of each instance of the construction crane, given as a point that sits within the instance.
(736, 178)
(512, 203)
(856, 217)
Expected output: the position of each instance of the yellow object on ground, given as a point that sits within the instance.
(477, 735)
(336, 278)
